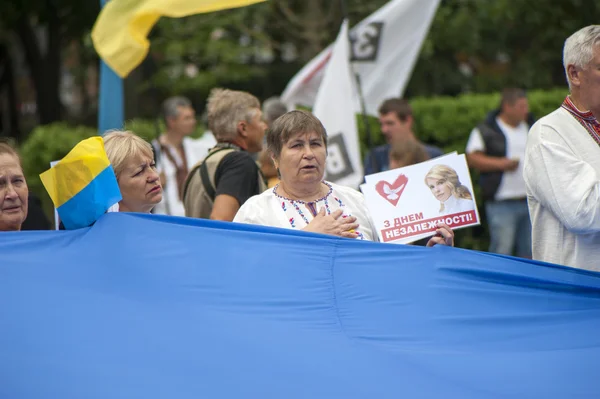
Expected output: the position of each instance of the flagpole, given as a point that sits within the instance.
(110, 103)
(361, 97)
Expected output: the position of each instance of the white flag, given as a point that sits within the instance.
(385, 47)
(334, 107)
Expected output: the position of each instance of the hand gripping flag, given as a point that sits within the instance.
(82, 185)
(121, 30)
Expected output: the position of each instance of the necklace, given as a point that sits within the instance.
(311, 205)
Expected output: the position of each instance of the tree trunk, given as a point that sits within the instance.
(44, 68)
(7, 79)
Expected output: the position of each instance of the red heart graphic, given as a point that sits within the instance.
(392, 192)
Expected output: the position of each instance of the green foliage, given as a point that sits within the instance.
(150, 129)
(472, 45)
(45, 144)
(196, 53)
(256, 48)
(497, 44)
(447, 121)
(144, 128)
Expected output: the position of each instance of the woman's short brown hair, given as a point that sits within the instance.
(290, 124)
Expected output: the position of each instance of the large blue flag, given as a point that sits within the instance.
(144, 306)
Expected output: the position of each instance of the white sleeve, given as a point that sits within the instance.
(250, 212)
(362, 204)
(244, 214)
(475, 142)
(563, 183)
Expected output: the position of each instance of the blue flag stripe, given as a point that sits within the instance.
(91, 202)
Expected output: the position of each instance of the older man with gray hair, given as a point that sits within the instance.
(220, 184)
(273, 108)
(175, 152)
(562, 163)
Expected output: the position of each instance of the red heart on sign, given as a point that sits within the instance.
(392, 192)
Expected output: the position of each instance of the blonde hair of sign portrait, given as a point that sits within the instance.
(451, 180)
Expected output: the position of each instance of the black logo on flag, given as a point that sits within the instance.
(338, 161)
(365, 45)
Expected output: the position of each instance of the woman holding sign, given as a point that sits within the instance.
(446, 187)
(297, 142)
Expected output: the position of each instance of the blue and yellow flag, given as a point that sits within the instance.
(82, 185)
(121, 30)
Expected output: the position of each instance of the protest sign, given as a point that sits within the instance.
(406, 204)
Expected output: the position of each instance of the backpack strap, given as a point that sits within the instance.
(203, 170)
(208, 187)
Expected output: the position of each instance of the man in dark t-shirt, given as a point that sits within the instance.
(236, 177)
(218, 186)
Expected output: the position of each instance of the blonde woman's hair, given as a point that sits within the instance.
(451, 180)
(121, 145)
(227, 108)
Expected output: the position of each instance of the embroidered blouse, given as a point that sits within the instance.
(271, 209)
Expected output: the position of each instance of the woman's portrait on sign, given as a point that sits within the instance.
(445, 185)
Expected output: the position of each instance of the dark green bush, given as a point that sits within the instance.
(144, 128)
(45, 144)
(447, 121)
(148, 129)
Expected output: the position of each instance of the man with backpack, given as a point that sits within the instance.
(217, 186)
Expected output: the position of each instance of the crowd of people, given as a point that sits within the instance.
(540, 181)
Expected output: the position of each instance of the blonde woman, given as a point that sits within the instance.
(446, 187)
(133, 162)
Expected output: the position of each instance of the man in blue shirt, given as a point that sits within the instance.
(396, 120)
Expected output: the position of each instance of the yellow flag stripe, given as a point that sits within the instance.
(75, 171)
(121, 30)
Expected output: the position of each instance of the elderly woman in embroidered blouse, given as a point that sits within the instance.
(302, 200)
